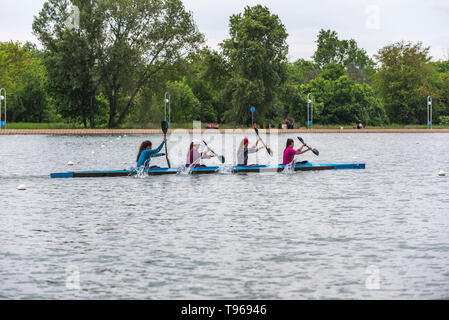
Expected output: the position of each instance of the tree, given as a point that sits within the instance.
(403, 81)
(71, 54)
(206, 84)
(143, 37)
(302, 71)
(185, 106)
(31, 95)
(214, 74)
(330, 49)
(444, 96)
(126, 43)
(441, 97)
(257, 57)
(442, 66)
(339, 100)
(24, 77)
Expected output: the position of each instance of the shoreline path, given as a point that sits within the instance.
(190, 131)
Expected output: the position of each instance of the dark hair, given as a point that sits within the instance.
(190, 148)
(143, 146)
(289, 142)
(188, 152)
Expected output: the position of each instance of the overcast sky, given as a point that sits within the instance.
(373, 24)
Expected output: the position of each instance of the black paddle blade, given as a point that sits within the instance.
(164, 126)
(222, 159)
(257, 130)
(316, 152)
(270, 152)
(302, 141)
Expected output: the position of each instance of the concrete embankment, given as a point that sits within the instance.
(190, 131)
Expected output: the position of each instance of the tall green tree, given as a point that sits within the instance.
(403, 82)
(214, 76)
(339, 100)
(142, 38)
(117, 48)
(71, 48)
(442, 66)
(257, 56)
(24, 77)
(330, 49)
(302, 71)
(441, 81)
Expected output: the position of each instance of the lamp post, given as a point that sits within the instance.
(429, 112)
(309, 110)
(2, 104)
(167, 102)
(252, 109)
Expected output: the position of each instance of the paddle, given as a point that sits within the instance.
(315, 151)
(164, 126)
(220, 158)
(268, 149)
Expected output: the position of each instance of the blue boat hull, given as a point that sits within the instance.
(211, 170)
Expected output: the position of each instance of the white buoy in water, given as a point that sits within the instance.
(441, 173)
(70, 163)
(22, 187)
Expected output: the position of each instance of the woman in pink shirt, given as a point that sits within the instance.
(290, 153)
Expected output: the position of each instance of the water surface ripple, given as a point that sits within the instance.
(306, 235)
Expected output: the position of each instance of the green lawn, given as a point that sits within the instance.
(27, 125)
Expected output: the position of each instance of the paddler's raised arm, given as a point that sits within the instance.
(160, 146)
(158, 155)
(299, 151)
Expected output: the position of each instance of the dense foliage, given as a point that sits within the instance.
(24, 77)
(116, 65)
(404, 80)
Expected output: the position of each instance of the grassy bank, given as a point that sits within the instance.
(41, 126)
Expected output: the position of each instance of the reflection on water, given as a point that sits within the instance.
(374, 233)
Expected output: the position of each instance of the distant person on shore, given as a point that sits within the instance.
(146, 153)
(292, 123)
(360, 125)
(287, 124)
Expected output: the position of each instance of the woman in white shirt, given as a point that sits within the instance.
(243, 151)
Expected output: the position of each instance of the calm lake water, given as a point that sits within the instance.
(382, 232)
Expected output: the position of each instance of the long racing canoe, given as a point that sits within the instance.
(210, 170)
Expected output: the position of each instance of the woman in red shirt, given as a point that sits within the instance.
(290, 153)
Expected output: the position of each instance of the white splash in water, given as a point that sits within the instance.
(226, 169)
(141, 172)
(289, 168)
